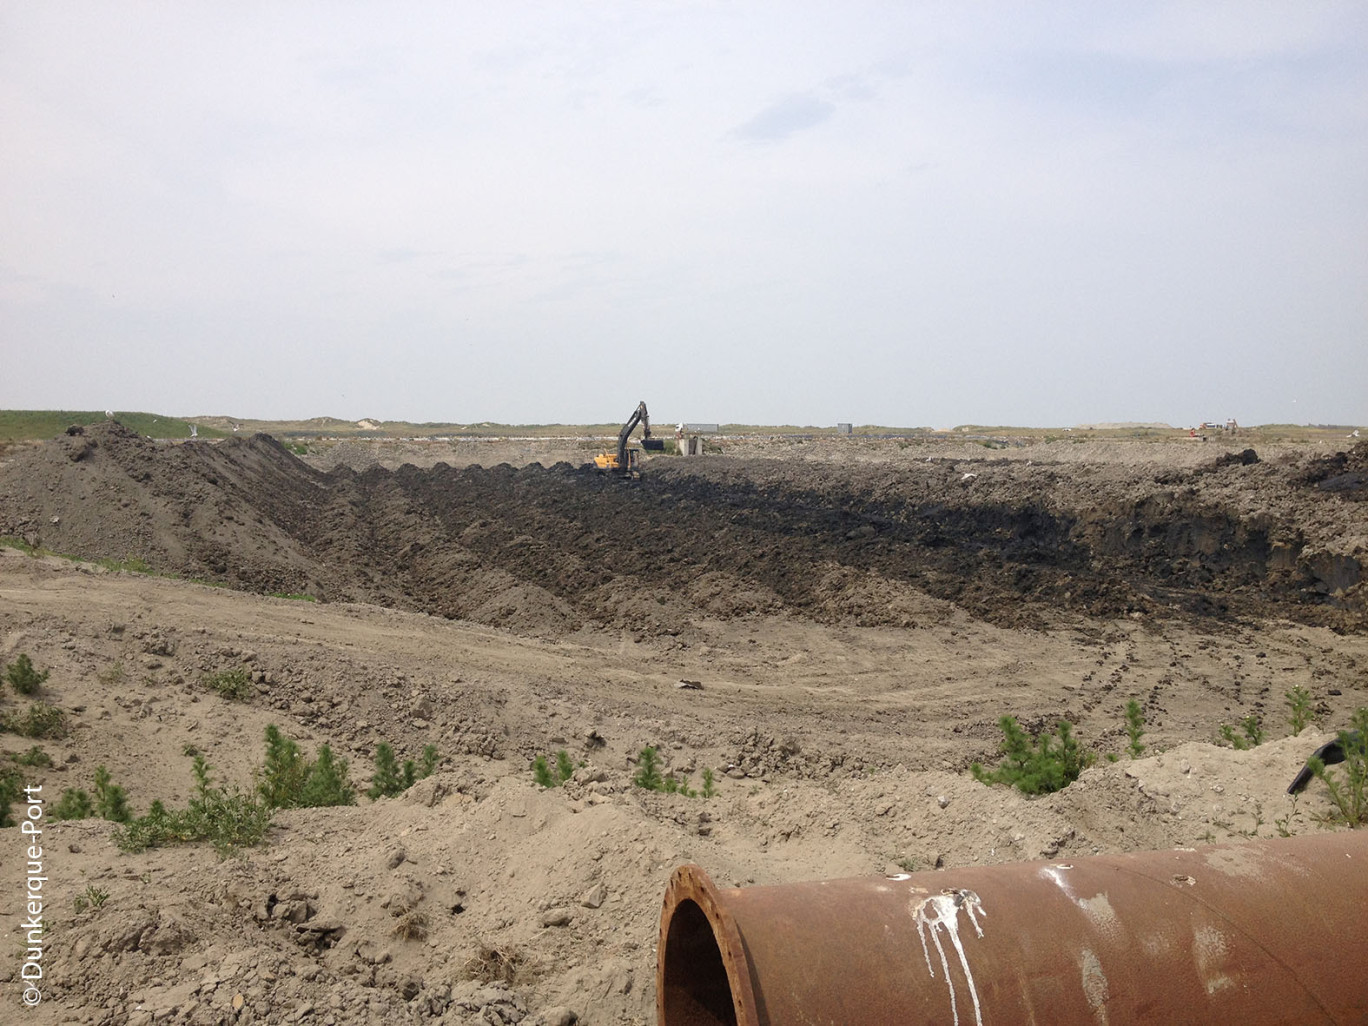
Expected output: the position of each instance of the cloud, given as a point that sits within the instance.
(781, 119)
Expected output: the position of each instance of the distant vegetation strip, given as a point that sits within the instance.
(23, 425)
(33, 425)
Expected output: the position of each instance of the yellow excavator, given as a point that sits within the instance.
(626, 462)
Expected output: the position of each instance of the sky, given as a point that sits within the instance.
(904, 213)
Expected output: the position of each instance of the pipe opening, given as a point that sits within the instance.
(695, 987)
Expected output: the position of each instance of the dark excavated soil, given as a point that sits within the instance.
(546, 550)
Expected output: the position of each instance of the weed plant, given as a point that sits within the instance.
(234, 685)
(1348, 794)
(42, 721)
(23, 677)
(1300, 713)
(229, 820)
(92, 897)
(1051, 764)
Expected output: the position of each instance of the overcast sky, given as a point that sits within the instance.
(904, 213)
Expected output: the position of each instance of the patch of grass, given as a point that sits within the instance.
(132, 564)
(412, 924)
(23, 677)
(1349, 793)
(92, 897)
(495, 965)
(112, 676)
(234, 685)
(1300, 713)
(16, 425)
(1135, 728)
(1051, 764)
(42, 721)
(11, 542)
(1251, 735)
(35, 756)
(229, 820)
(296, 596)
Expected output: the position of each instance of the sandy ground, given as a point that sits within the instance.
(853, 627)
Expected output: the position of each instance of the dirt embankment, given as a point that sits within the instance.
(550, 549)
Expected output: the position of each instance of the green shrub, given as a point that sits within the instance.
(92, 897)
(1135, 727)
(565, 769)
(41, 721)
(1252, 736)
(648, 771)
(709, 783)
(1299, 708)
(1040, 768)
(35, 756)
(1350, 795)
(541, 772)
(387, 780)
(229, 820)
(110, 800)
(74, 804)
(234, 685)
(23, 677)
(390, 778)
(289, 781)
(11, 786)
(328, 782)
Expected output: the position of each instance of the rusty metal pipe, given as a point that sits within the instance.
(1272, 931)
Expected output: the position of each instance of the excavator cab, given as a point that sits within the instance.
(626, 461)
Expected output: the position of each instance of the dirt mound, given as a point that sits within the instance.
(546, 551)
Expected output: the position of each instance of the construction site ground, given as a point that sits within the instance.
(832, 626)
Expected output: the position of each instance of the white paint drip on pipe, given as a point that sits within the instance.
(941, 912)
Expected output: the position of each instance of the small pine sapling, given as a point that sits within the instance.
(541, 773)
(565, 769)
(1135, 728)
(1252, 736)
(386, 781)
(23, 677)
(1040, 768)
(111, 801)
(648, 771)
(709, 783)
